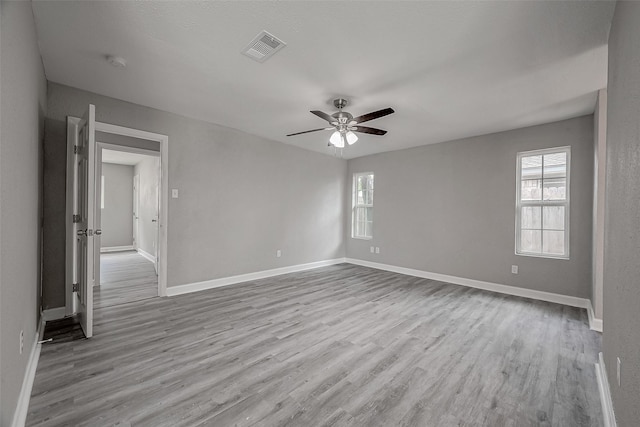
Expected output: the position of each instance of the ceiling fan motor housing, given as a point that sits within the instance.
(342, 117)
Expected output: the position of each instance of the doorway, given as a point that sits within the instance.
(128, 219)
(82, 270)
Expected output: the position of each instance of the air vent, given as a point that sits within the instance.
(263, 47)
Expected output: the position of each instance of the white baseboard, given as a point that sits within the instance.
(20, 415)
(117, 249)
(147, 255)
(472, 283)
(53, 314)
(595, 324)
(232, 280)
(488, 286)
(605, 393)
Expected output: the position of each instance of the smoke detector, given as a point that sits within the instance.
(116, 61)
(263, 46)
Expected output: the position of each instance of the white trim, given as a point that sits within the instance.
(487, 286)
(22, 408)
(125, 131)
(232, 280)
(595, 324)
(117, 248)
(146, 255)
(53, 313)
(605, 393)
(472, 283)
(126, 149)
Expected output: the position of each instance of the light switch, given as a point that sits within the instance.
(174, 193)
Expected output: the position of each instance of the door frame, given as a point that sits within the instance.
(150, 153)
(136, 210)
(163, 191)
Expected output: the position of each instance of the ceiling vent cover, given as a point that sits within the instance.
(263, 47)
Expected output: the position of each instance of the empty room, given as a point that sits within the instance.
(319, 213)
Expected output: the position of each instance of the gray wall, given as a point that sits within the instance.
(241, 197)
(599, 199)
(117, 215)
(23, 88)
(148, 171)
(450, 208)
(621, 337)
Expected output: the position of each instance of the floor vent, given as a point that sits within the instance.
(263, 47)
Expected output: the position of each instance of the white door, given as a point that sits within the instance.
(83, 227)
(136, 209)
(156, 230)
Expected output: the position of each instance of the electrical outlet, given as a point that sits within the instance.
(514, 269)
(618, 371)
(278, 253)
(21, 341)
(174, 193)
(377, 250)
(372, 249)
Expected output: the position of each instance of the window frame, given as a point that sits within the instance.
(565, 203)
(355, 205)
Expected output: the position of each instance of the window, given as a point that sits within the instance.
(362, 215)
(542, 203)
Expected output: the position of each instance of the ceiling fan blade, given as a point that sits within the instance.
(365, 129)
(325, 116)
(372, 116)
(307, 131)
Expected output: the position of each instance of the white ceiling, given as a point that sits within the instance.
(449, 69)
(122, 157)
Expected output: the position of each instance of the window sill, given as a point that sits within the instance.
(565, 258)
(362, 238)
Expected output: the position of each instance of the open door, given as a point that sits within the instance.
(84, 186)
(136, 209)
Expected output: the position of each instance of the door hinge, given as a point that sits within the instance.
(76, 287)
(76, 219)
(77, 149)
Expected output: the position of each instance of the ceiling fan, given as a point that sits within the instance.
(344, 124)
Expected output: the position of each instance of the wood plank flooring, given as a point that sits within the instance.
(338, 346)
(124, 277)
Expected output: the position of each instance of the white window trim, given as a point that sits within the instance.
(353, 205)
(566, 203)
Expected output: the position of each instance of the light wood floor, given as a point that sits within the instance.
(342, 345)
(124, 277)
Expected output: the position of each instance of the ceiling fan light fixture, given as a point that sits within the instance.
(336, 140)
(351, 138)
